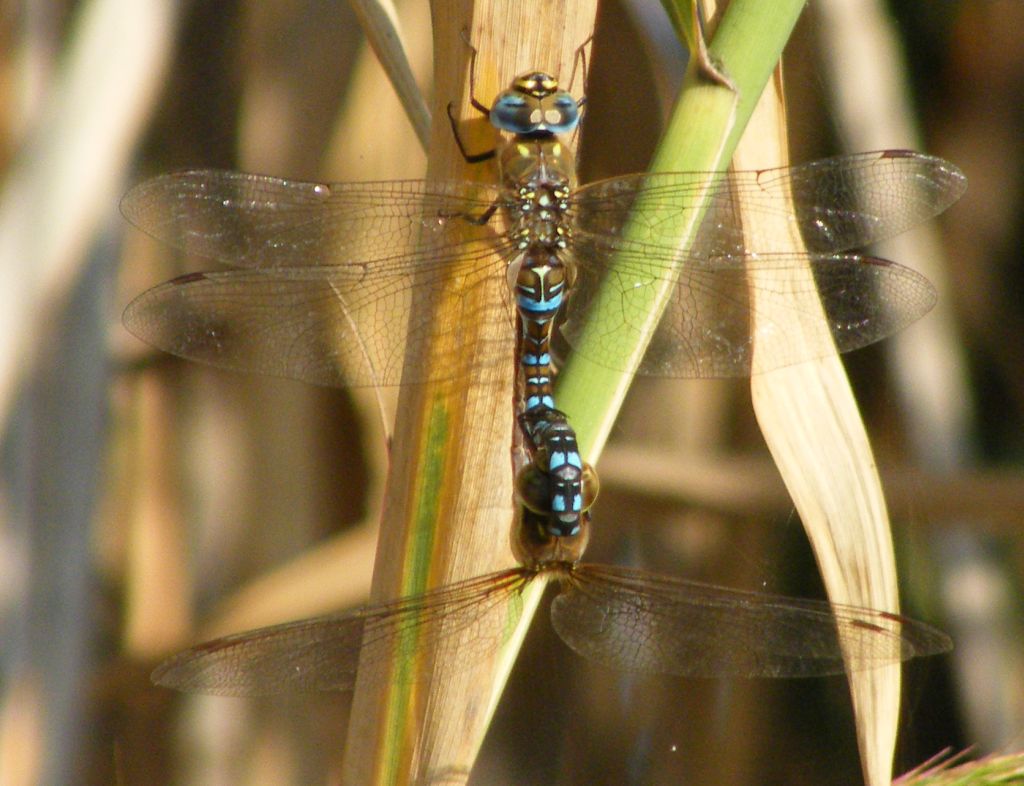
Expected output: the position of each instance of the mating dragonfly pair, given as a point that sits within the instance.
(322, 289)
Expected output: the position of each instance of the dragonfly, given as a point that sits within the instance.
(324, 280)
(332, 282)
(329, 283)
(623, 618)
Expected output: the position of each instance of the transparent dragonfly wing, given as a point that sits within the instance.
(327, 326)
(333, 279)
(836, 204)
(712, 325)
(256, 221)
(456, 624)
(625, 619)
(641, 622)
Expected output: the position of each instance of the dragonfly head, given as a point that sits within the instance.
(535, 106)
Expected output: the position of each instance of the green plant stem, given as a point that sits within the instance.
(703, 131)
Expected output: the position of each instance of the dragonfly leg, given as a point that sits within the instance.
(580, 61)
(526, 423)
(479, 220)
(470, 158)
(472, 78)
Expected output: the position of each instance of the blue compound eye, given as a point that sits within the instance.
(516, 114)
(561, 114)
(520, 114)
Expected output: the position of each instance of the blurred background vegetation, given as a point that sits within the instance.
(146, 501)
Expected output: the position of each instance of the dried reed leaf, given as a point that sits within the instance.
(380, 23)
(449, 506)
(68, 174)
(810, 421)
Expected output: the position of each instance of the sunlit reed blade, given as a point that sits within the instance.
(379, 21)
(626, 619)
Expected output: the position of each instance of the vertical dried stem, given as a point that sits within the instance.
(449, 504)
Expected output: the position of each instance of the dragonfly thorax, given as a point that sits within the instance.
(537, 178)
(535, 106)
